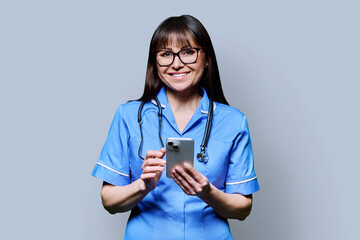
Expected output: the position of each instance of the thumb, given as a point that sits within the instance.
(163, 150)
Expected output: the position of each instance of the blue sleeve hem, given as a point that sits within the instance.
(110, 176)
(245, 188)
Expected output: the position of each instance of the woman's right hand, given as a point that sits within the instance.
(124, 198)
(152, 168)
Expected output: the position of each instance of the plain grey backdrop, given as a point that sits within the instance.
(291, 66)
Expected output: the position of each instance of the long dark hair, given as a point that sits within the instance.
(183, 28)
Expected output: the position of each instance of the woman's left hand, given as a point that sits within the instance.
(191, 181)
(226, 205)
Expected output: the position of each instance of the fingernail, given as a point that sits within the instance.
(186, 165)
(163, 162)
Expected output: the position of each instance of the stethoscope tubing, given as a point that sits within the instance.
(201, 156)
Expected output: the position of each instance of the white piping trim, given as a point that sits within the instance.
(123, 174)
(154, 102)
(214, 106)
(248, 180)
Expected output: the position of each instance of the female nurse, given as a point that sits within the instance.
(182, 80)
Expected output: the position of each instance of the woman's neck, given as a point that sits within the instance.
(184, 101)
(183, 105)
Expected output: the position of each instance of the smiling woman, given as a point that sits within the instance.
(182, 87)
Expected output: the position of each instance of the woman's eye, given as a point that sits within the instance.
(166, 54)
(188, 52)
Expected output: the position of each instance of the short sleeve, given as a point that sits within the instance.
(113, 163)
(241, 177)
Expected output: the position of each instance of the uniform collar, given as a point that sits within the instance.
(203, 105)
(162, 98)
(199, 113)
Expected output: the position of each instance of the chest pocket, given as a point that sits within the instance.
(217, 165)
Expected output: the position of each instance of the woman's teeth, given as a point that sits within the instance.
(179, 75)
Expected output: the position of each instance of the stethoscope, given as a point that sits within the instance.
(201, 156)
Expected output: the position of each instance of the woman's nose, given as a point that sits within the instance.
(177, 63)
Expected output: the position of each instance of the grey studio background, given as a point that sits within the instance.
(291, 66)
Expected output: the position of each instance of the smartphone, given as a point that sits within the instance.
(178, 151)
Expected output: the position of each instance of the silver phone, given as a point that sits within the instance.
(178, 151)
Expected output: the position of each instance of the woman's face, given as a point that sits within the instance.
(181, 77)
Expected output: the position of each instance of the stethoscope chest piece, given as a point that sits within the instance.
(202, 157)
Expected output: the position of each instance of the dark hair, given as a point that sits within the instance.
(181, 28)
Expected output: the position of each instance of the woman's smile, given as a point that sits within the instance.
(179, 75)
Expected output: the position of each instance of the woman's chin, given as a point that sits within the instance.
(182, 88)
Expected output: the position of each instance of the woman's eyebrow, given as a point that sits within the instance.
(170, 49)
(186, 46)
(166, 48)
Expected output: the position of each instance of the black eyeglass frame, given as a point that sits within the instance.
(177, 54)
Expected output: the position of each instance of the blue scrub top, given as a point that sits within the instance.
(167, 212)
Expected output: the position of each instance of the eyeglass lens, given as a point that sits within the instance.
(187, 56)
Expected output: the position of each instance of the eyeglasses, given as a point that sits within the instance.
(186, 56)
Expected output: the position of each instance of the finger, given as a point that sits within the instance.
(198, 182)
(187, 177)
(182, 184)
(186, 180)
(155, 161)
(154, 154)
(147, 176)
(174, 177)
(153, 169)
(203, 184)
(198, 177)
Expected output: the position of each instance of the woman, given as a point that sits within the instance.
(183, 79)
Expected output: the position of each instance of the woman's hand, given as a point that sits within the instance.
(152, 168)
(191, 181)
(226, 205)
(124, 198)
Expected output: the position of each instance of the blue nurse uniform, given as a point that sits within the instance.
(167, 212)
